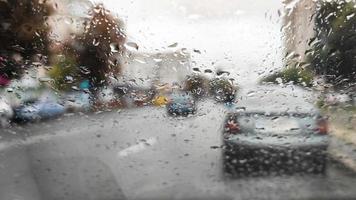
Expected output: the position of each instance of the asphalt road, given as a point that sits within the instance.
(142, 154)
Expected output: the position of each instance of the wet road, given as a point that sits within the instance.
(142, 154)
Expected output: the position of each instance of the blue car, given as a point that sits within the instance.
(39, 111)
(181, 104)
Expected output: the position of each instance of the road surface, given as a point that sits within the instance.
(142, 154)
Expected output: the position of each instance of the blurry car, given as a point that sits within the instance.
(77, 101)
(160, 100)
(290, 138)
(133, 96)
(142, 97)
(6, 113)
(35, 111)
(27, 88)
(107, 98)
(181, 104)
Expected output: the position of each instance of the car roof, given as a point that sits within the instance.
(276, 99)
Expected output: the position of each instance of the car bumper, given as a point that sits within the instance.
(273, 159)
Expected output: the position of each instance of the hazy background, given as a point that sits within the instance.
(241, 36)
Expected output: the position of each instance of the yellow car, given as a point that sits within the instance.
(160, 100)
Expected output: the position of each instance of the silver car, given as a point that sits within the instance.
(291, 137)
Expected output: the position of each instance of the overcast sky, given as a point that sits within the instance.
(241, 36)
(184, 8)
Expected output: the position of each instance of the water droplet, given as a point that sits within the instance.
(131, 46)
(196, 51)
(348, 17)
(157, 60)
(10, 89)
(69, 21)
(173, 45)
(251, 93)
(208, 71)
(96, 42)
(114, 47)
(140, 61)
(196, 69)
(45, 79)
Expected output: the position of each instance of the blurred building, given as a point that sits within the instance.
(298, 27)
(73, 13)
(153, 69)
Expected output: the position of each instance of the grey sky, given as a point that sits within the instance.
(237, 35)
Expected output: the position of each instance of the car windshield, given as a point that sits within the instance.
(177, 99)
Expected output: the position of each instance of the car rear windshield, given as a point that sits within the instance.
(276, 124)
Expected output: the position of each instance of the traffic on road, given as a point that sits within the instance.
(177, 99)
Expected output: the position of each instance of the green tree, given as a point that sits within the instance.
(64, 72)
(99, 47)
(197, 85)
(24, 32)
(222, 89)
(294, 74)
(333, 52)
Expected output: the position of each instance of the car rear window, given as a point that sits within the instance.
(284, 124)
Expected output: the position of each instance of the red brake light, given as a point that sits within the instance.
(322, 126)
(232, 127)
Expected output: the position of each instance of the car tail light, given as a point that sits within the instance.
(232, 127)
(322, 126)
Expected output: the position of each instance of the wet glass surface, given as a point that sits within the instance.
(177, 99)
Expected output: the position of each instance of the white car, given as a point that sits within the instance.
(6, 112)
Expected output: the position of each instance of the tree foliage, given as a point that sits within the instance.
(24, 33)
(197, 85)
(292, 74)
(99, 47)
(333, 52)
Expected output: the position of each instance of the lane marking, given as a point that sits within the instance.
(20, 142)
(141, 146)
